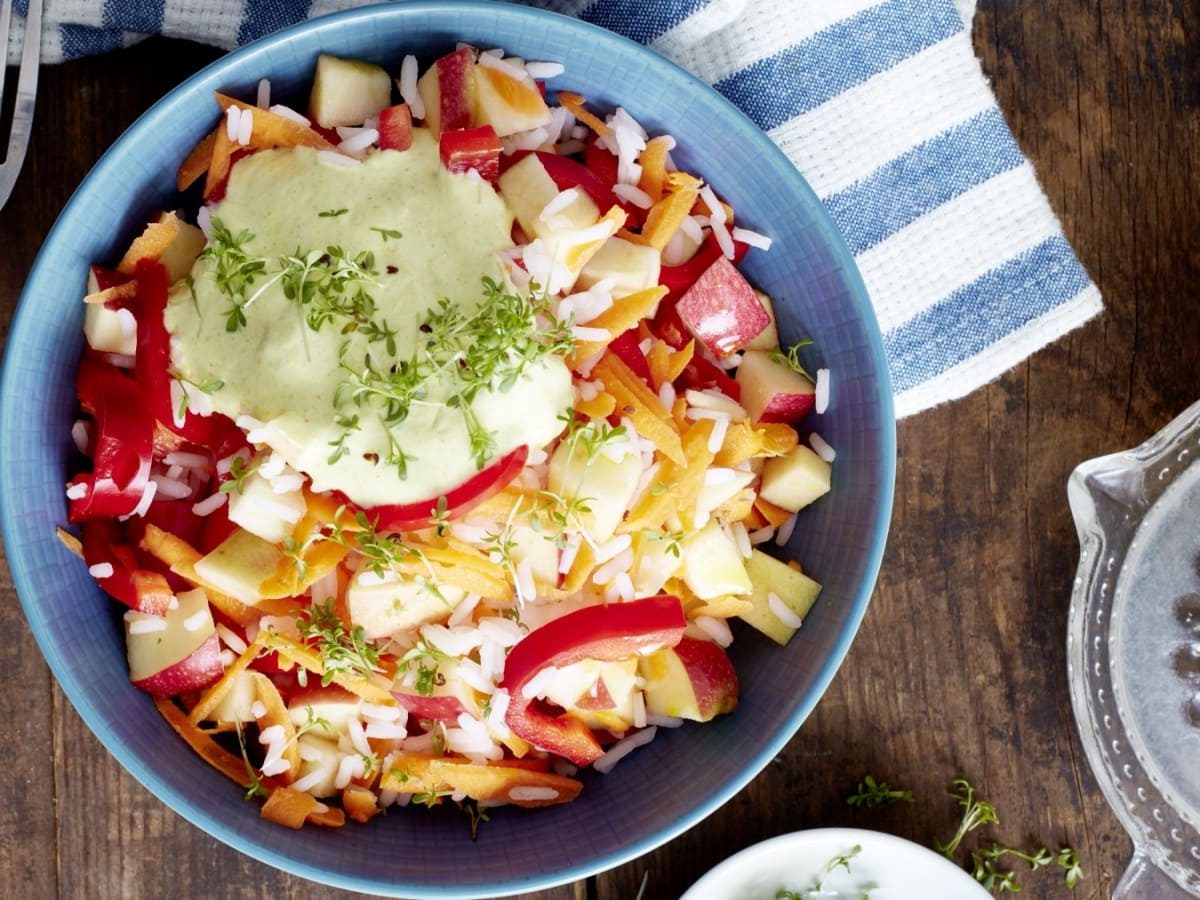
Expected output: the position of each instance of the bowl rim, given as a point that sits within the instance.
(745, 130)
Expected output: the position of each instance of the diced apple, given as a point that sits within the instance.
(471, 148)
(768, 338)
(693, 680)
(795, 590)
(527, 188)
(796, 479)
(447, 91)
(318, 754)
(773, 391)
(716, 400)
(181, 253)
(599, 694)
(347, 91)
(235, 705)
(507, 99)
(395, 127)
(326, 709)
(721, 311)
(535, 547)
(394, 606)
(262, 512)
(655, 560)
(176, 652)
(607, 484)
(239, 565)
(108, 330)
(712, 564)
(632, 267)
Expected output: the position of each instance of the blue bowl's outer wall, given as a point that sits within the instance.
(662, 789)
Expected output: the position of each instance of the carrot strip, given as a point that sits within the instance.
(668, 214)
(599, 407)
(69, 541)
(303, 655)
(289, 808)
(575, 103)
(269, 130)
(126, 291)
(232, 767)
(624, 313)
(653, 161)
(220, 160)
(198, 161)
(150, 244)
(676, 486)
(680, 359)
(276, 713)
(645, 410)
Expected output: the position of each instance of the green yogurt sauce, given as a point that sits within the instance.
(433, 235)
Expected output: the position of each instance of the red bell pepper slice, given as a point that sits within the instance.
(123, 446)
(600, 161)
(472, 148)
(606, 633)
(677, 279)
(479, 487)
(141, 589)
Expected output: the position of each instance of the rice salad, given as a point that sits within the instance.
(439, 456)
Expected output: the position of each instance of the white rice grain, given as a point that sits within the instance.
(664, 721)
(408, 87)
(209, 505)
(148, 625)
(245, 127)
(785, 530)
(724, 241)
(717, 629)
(358, 737)
(101, 570)
(81, 434)
(717, 438)
(590, 335)
(529, 792)
(623, 748)
(231, 639)
(77, 491)
(569, 552)
(822, 398)
(543, 70)
(607, 572)
(741, 537)
(624, 587)
(753, 238)
(287, 112)
(462, 612)
(233, 118)
(389, 731)
(610, 548)
(821, 447)
(570, 148)
(634, 195)
(147, 498)
(558, 203)
(762, 535)
(187, 460)
(783, 612)
(170, 488)
(196, 620)
(263, 97)
(359, 142)
(127, 322)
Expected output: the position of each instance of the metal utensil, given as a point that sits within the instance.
(22, 123)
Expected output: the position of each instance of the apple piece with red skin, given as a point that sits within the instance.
(175, 652)
(472, 148)
(395, 127)
(347, 91)
(448, 91)
(692, 680)
(772, 391)
(439, 708)
(768, 339)
(721, 311)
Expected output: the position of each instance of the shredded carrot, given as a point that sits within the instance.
(308, 658)
(599, 407)
(624, 313)
(150, 244)
(641, 405)
(577, 256)
(126, 291)
(360, 803)
(581, 568)
(210, 751)
(668, 214)
(745, 441)
(270, 129)
(220, 160)
(680, 359)
(69, 541)
(772, 513)
(658, 359)
(676, 486)
(289, 808)
(413, 774)
(212, 697)
(198, 161)
(653, 161)
(575, 103)
(722, 607)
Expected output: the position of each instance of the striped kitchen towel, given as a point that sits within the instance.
(882, 106)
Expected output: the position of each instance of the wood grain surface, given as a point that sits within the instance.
(959, 668)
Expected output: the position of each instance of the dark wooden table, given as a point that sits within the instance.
(959, 668)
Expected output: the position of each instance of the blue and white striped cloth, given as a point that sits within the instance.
(883, 108)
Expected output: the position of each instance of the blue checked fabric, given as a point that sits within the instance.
(882, 106)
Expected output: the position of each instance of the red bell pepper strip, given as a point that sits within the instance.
(677, 279)
(141, 589)
(123, 444)
(459, 501)
(600, 161)
(154, 354)
(606, 633)
(472, 148)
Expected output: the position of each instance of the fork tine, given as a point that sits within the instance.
(18, 141)
(6, 31)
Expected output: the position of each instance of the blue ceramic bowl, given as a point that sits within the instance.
(663, 788)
